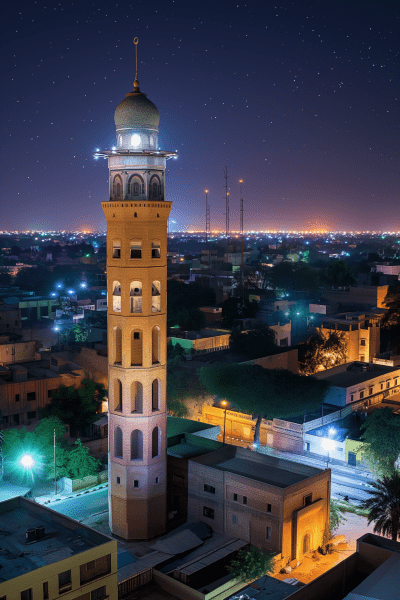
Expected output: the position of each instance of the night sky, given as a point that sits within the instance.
(300, 99)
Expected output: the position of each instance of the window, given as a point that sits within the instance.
(308, 500)
(32, 414)
(64, 581)
(387, 384)
(155, 249)
(156, 297)
(92, 563)
(31, 396)
(381, 385)
(16, 397)
(16, 419)
(395, 382)
(136, 249)
(155, 386)
(136, 397)
(136, 483)
(116, 249)
(116, 296)
(234, 518)
(157, 480)
(118, 480)
(362, 342)
(235, 497)
(284, 342)
(99, 593)
(118, 442)
(244, 499)
(208, 512)
(155, 442)
(137, 445)
(370, 391)
(209, 488)
(136, 296)
(136, 335)
(26, 594)
(361, 394)
(117, 187)
(45, 590)
(268, 533)
(269, 508)
(51, 393)
(351, 397)
(362, 357)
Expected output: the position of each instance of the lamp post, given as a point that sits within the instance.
(27, 462)
(57, 329)
(225, 405)
(55, 465)
(329, 444)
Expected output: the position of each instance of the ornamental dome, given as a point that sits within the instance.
(136, 111)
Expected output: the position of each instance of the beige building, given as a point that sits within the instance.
(137, 216)
(46, 555)
(10, 319)
(361, 331)
(273, 504)
(27, 387)
(16, 351)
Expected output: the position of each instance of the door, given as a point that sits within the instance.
(352, 459)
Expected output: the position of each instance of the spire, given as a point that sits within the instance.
(136, 82)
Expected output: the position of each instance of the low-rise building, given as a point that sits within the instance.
(14, 350)
(27, 387)
(274, 504)
(360, 383)
(46, 555)
(10, 319)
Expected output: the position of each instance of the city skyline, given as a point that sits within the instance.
(299, 100)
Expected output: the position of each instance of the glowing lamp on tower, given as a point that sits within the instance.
(135, 140)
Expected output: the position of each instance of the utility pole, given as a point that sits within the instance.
(226, 206)
(208, 223)
(242, 232)
(55, 465)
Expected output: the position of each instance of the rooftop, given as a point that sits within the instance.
(351, 374)
(274, 471)
(62, 537)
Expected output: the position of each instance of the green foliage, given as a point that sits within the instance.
(336, 519)
(251, 564)
(5, 278)
(390, 329)
(33, 279)
(255, 343)
(383, 506)
(176, 408)
(76, 407)
(80, 461)
(270, 393)
(191, 297)
(294, 276)
(381, 434)
(233, 309)
(322, 352)
(337, 274)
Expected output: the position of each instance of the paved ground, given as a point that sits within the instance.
(88, 504)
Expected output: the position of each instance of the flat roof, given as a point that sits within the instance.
(340, 377)
(177, 426)
(63, 537)
(274, 471)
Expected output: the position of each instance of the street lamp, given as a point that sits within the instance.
(27, 461)
(328, 443)
(57, 329)
(224, 403)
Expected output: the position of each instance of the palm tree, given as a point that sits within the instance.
(384, 506)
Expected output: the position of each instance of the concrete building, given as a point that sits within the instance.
(46, 555)
(27, 387)
(361, 384)
(14, 350)
(10, 319)
(137, 216)
(274, 504)
(360, 330)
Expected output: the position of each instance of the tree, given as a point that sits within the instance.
(337, 518)
(381, 437)
(33, 279)
(383, 506)
(390, 328)
(5, 278)
(233, 308)
(337, 274)
(322, 352)
(251, 564)
(294, 276)
(190, 296)
(76, 407)
(268, 393)
(80, 462)
(255, 343)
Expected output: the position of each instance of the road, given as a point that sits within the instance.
(345, 480)
(81, 507)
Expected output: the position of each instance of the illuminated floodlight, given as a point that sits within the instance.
(71, 292)
(27, 461)
(53, 294)
(56, 328)
(83, 284)
(59, 285)
(332, 431)
(328, 444)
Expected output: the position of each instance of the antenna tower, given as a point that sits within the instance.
(208, 227)
(226, 204)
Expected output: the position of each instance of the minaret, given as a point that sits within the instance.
(137, 216)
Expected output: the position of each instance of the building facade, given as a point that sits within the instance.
(137, 216)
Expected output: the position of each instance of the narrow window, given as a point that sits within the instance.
(155, 346)
(99, 593)
(117, 395)
(136, 249)
(117, 296)
(137, 397)
(136, 296)
(31, 396)
(269, 508)
(208, 512)
(118, 442)
(362, 342)
(64, 581)
(308, 500)
(26, 594)
(136, 445)
(234, 519)
(268, 533)
(117, 345)
(116, 249)
(16, 397)
(136, 483)
(156, 297)
(155, 393)
(157, 480)
(136, 348)
(118, 480)
(371, 389)
(45, 590)
(235, 497)
(209, 488)
(136, 188)
(155, 442)
(155, 249)
(361, 394)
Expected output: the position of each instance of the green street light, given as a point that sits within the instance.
(27, 461)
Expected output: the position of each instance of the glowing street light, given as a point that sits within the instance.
(224, 403)
(27, 461)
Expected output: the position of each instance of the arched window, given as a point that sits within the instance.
(120, 140)
(155, 442)
(137, 397)
(155, 346)
(117, 186)
(136, 348)
(155, 249)
(155, 395)
(137, 445)
(156, 297)
(136, 297)
(118, 442)
(154, 188)
(134, 186)
(117, 395)
(117, 345)
(116, 296)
